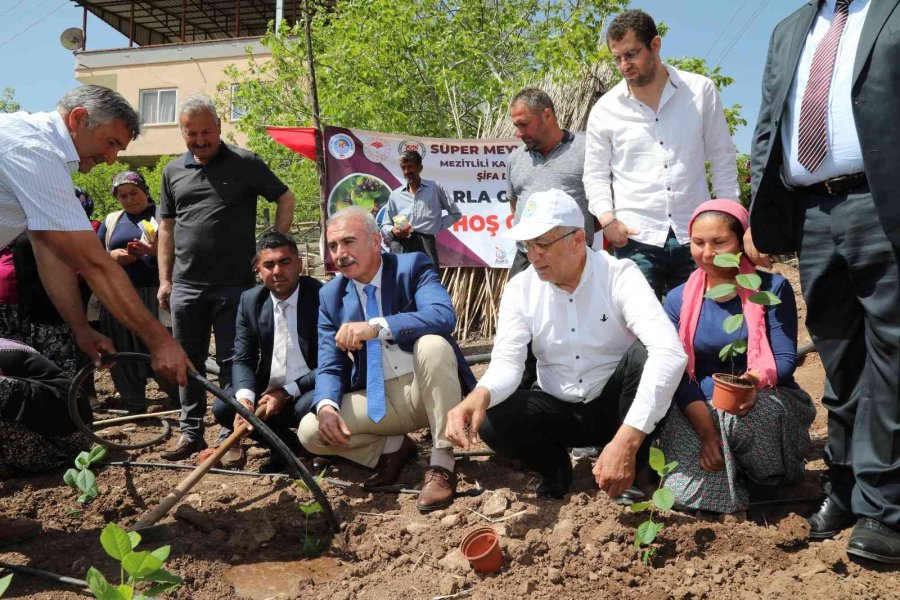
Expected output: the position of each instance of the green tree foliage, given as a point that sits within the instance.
(8, 102)
(436, 68)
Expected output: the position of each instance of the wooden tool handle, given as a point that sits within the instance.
(196, 475)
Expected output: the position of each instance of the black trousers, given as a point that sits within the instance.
(418, 242)
(535, 428)
(280, 424)
(849, 275)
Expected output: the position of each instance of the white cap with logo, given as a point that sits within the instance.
(543, 211)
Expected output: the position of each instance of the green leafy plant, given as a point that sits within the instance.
(4, 583)
(661, 501)
(141, 567)
(81, 477)
(747, 281)
(312, 546)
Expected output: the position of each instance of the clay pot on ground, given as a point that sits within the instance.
(481, 547)
(730, 392)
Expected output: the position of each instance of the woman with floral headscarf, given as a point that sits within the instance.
(765, 439)
(121, 234)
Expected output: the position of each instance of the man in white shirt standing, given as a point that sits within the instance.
(648, 140)
(608, 358)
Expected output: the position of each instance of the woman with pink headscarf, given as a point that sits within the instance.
(765, 440)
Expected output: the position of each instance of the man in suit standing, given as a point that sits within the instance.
(823, 165)
(275, 347)
(387, 362)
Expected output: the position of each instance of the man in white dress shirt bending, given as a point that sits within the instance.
(608, 358)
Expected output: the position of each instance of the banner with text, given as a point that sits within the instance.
(363, 169)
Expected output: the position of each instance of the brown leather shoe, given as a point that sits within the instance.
(13, 531)
(183, 449)
(389, 465)
(437, 490)
(235, 457)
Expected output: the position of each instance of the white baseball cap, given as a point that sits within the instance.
(543, 211)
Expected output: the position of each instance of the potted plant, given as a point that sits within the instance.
(730, 391)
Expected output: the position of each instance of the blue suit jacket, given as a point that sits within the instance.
(413, 302)
(254, 337)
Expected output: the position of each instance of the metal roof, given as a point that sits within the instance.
(174, 21)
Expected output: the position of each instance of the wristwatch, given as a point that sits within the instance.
(376, 327)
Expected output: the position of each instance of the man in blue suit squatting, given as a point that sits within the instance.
(275, 347)
(387, 362)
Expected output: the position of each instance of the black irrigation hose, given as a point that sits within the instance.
(75, 388)
(45, 574)
(296, 468)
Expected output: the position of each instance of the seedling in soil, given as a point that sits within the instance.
(81, 477)
(312, 546)
(662, 501)
(141, 567)
(4, 583)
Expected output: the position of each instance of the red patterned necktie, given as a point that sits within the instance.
(813, 137)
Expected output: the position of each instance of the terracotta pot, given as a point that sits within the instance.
(482, 548)
(730, 391)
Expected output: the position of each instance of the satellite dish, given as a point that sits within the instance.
(72, 39)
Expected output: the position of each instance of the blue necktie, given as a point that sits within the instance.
(375, 406)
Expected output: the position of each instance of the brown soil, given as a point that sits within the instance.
(246, 534)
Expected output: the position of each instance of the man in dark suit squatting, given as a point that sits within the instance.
(275, 347)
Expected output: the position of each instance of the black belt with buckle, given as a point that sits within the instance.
(836, 185)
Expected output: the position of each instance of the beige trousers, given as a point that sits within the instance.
(420, 399)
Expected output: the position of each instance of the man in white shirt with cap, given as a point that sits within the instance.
(608, 358)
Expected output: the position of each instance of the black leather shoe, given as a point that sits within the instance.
(389, 466)
(556, 486)
(874, 540)
(829, 521)
(274, 464)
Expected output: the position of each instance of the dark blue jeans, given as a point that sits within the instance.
(196, 310)
(664, 268)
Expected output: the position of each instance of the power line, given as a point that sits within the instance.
(724, 29)
(20, 2)
(36, 23)
(741, 32)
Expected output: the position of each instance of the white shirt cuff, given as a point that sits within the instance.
(327, 402)
(385, 333)
(292, 388)
(245, 394)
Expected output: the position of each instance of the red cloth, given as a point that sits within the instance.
(298, 139)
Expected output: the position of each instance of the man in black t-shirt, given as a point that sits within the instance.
(206, 244)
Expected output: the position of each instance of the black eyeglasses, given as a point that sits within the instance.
(543, 246)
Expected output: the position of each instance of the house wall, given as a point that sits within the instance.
(192, 68)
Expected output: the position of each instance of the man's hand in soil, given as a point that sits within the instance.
(352, 336)
(332, 429)
(464, 420)
(274, 401)
(615, 467)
